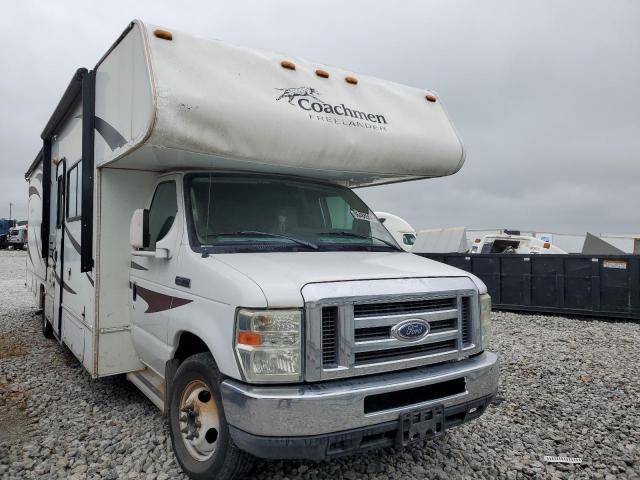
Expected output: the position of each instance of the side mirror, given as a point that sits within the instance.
(139, 228)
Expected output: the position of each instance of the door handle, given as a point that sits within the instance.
(134, 291)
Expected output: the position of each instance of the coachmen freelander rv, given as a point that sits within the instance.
(192, 225)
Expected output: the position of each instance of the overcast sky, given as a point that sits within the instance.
(545, 94)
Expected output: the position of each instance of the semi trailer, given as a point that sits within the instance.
(194, 225)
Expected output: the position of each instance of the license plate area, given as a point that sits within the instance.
(420, 424)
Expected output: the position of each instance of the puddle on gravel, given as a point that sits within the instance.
(11, 346)
(13, 418)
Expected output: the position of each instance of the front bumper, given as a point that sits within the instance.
(303, 421)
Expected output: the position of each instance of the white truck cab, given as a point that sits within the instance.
(195, 227)
(17, 237)
(402, 231)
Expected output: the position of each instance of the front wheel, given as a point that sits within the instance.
(199, 431)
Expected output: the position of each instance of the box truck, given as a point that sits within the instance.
(193, 225)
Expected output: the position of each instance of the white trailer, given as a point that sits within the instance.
(193, 227)
(516, 244)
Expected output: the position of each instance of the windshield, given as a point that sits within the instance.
(233, 213)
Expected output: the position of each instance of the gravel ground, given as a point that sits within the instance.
(568, 387)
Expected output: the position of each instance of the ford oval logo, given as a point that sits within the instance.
(410, 330)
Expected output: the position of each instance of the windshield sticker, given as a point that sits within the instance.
(364, 216)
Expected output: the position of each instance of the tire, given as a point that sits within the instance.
(195, 408)
(47, 329)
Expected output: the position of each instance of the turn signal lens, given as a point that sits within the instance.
(249, 338)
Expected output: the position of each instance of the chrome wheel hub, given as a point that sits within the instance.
(199, 420)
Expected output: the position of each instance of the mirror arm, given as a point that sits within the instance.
(143, 253)
(157, 253)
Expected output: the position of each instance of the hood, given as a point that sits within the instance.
(281, 275)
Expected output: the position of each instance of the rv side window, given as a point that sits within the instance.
(162, 212)
(74, 195)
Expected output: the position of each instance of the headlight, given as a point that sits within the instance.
(268, 345)
(485, 319)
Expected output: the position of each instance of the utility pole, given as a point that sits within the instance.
(10, 205)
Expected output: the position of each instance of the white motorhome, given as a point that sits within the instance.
(399, 228)
(17, 237)
(193, 226)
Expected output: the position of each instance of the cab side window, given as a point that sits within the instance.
(74, 192)
(162, 212)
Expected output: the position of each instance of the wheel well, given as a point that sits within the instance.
(189, 344)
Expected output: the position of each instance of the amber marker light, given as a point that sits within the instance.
(288, 65)
(163, 34)
(249, 338)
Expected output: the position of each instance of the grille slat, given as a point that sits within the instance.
(372, 333)
(398, 308)
(442, 325)
(329, 337)
(466, 321)
(362, 358)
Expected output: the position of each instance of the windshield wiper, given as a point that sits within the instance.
(264, 234)
(357, 235)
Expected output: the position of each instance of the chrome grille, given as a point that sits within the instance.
(349, 333)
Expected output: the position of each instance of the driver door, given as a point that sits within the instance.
(152, 279)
